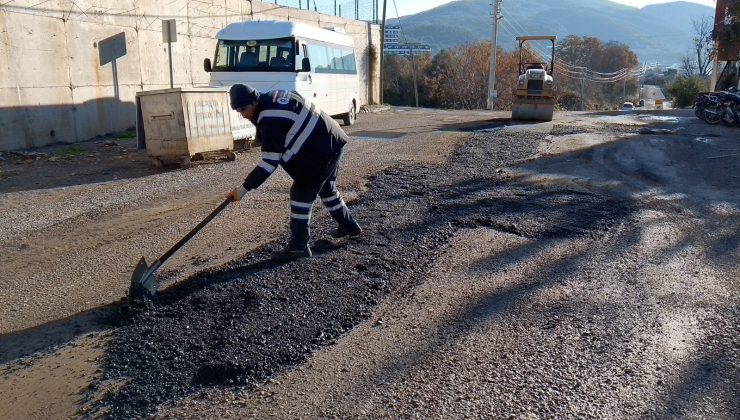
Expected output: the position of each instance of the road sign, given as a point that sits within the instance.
(169, 35)
(112, 48)
(169, 32)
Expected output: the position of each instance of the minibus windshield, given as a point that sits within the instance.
(255, 55)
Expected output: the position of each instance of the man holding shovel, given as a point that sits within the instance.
(308, 144)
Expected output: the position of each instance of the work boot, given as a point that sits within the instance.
(342, 231)
(290, 253)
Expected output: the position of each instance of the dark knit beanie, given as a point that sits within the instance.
(242, 95)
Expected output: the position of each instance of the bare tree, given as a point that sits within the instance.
(698, 60)
(688, 64)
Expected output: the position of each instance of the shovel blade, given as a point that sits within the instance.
(143, 283)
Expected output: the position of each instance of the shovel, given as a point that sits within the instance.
(143, 282)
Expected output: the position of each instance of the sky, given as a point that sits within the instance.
(410, 7)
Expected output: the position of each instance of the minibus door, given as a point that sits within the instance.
(304, 80)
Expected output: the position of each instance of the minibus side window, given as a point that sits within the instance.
(348, 57)
(319, 56)
(336, 66)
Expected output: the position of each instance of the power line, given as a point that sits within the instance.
(400, 28)
(413, 61)
(513, 25)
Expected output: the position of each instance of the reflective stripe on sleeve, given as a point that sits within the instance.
(271, 156)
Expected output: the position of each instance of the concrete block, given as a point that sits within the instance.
(152, 12)
(205, 19)
(83, 39)
(155, 60)
(42, 116)
(200, 49)
(30, 8)
(38, 52)
(304, 16)
(239, 11)
(119, 13)
(8, 50)
(12, 120)
(97, 112)
(155, 64)
(267, 11)
(326, 21)
(182, 59)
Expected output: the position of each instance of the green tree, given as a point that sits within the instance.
(458, 77)
(586, 66)
(398, 80)
(397, 83)
(683, 90)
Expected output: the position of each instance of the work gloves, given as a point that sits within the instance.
(237, 194)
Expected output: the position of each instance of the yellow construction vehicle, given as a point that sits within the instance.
(534, 97)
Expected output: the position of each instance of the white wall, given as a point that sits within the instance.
(53, 88)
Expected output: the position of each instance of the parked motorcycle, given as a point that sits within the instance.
(713, 111)
(700, 103)
(716, 107)
(731, 110)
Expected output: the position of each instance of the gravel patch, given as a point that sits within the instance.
(243, 323)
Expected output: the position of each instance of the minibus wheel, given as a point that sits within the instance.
(349, 117)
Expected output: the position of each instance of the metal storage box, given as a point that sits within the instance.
(175, 125)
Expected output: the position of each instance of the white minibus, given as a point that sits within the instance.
(317, 63)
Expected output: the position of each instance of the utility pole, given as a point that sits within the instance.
(624, 88)
(382, 50)
(413, 69)
(583, 82)
(492, 93)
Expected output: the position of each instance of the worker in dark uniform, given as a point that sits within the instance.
(308, 144)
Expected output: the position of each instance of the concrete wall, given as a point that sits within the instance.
(54, 89)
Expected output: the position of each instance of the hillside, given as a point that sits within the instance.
(658, 33)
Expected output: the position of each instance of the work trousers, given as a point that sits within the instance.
(319, 179)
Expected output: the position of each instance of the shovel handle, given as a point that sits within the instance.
(195, 230)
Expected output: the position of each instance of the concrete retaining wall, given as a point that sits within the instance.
(54, 89)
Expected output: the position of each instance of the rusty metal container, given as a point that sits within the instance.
(177, 125)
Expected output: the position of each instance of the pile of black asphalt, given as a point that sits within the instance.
(245, 322)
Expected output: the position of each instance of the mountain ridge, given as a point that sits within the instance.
(656, 33)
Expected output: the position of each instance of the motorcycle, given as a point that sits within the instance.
(700, 102)
(713, 111)
(731, 110)
(716, 107)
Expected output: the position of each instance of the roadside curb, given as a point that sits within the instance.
(375, 108)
